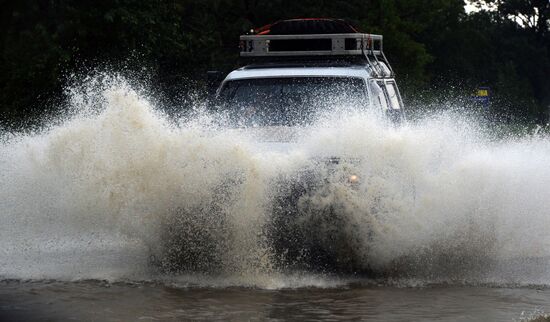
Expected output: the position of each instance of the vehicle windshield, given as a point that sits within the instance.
(289, 101)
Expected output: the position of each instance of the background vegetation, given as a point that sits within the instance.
(434, 46)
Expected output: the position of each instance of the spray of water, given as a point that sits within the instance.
(119, 191)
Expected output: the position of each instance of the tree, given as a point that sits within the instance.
(428, 42)
(519, 35)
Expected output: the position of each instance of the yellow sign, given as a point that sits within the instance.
(482, 93)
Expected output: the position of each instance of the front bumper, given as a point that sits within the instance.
(309, 227)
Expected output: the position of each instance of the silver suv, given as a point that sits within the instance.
(293, 72)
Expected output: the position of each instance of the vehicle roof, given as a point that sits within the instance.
(348, 71)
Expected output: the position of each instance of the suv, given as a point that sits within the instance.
(292, 72)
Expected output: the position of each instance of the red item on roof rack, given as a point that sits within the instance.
(307, 26)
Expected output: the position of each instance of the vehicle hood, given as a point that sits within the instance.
(290, 139)
(283, 139)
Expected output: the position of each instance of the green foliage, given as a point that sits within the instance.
(430, 43)
(519, 41)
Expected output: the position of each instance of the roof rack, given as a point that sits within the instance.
(368, 46)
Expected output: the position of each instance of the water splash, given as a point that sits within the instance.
(119, 191)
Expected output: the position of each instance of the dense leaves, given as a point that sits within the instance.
(432, 44)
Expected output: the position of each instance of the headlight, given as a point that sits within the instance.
(353, 179)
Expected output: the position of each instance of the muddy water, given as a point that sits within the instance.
(115, 191)
(95, 301)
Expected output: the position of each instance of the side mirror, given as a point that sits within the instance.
(213, 80)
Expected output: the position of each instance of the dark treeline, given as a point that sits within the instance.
(434, 46)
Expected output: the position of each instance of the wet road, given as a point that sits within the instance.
(101, 301)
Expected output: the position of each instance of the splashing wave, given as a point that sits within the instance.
(117, 191)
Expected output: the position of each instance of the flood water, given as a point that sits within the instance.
(115, 212)
(97, 301)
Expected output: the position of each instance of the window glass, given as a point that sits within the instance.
(380, 96)
(392, 95)
(289, 101)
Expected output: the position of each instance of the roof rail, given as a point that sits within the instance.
(307, 45)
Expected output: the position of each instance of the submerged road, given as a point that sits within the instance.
(98, 301)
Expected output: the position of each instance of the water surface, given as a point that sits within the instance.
(453, 220)
(98, 301)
